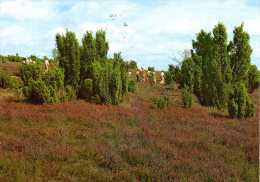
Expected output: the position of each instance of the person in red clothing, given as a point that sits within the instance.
(143, 75)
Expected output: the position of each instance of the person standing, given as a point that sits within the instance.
(129, 74)
(47, 64)
(162, 77)
(154, 77)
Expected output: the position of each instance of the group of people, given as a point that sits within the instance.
(29, 60)
(141, 76)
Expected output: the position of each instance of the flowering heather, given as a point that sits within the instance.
(79, 141)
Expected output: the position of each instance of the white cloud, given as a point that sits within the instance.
(156, 30)
(21, 9)
(253, 26)
(54, 31)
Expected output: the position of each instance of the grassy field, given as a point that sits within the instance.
(79, 141)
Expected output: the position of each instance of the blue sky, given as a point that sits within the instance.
(156, 29)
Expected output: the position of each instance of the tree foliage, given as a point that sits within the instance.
(240, 105)
(69, 57)
(215, 67)
(239, 51)
(253, 78)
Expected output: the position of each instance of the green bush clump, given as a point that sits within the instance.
(30, 71)
(6, 81)
(150, 68)
(87, 89)
(253, 78)
(160, 102)
(71, 95)
(240, 105)
(49, 88)
(169, 78)
(187, 97)
(54, 80)
(37, 92)
(132, 65)
(132, 85)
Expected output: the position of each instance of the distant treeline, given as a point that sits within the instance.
(17, 58)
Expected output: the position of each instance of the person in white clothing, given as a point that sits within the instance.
(47, 64)
(129, 74)
(162, 77)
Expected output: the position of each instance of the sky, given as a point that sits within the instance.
(156, 29)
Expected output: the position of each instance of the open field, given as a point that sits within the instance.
(79, 141)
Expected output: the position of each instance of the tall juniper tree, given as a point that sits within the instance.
(240, 54)
(88, 54)
(101, 45)
(69, 52)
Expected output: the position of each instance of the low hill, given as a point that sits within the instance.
(79, 141)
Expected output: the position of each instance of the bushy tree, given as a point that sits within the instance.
(223, 67)
(30, 71)
(239, 51)
(6, 81)
(198, 74)
(54, 80)
(70, 93)
(88, 55)
(240, 105)
(150, 68)
(87, 89)
(88, 70)
(204, 47)
(132, 65)
(115, 87)
(131, 85)
(219, 67)
(37, 92)
(47, 89)
(187, 97)
(69, 54)
(187, 71)
(102, 45)
(169, 77)
(253, 78)
(220, 52)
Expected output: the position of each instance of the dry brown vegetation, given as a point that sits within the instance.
(79, 141)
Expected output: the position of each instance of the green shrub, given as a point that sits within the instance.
(14, 58)
(187, 72)
(187, 97)
(71, 95)
(132, 65)
(54, 80)
(6, 81)
(87, 89)
(250, 109)
(30, 71)
(132, 85)
(115, 85)
(168, 78)
(160, 102)
(232, 108)
(37, 92)
(150, 68)
(46, 89)
(253, 78)
(240, 105)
